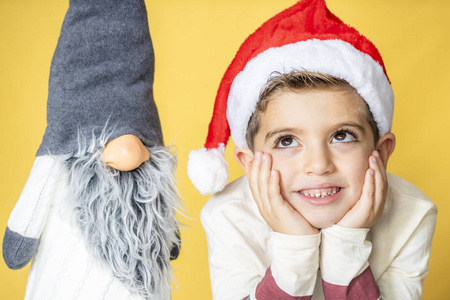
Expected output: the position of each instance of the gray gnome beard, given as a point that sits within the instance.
(128, 218)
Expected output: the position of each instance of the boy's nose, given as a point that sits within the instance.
(318, 161)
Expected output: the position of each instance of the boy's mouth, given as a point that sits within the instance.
(320, 193)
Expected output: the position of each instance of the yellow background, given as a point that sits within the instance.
(194, 42)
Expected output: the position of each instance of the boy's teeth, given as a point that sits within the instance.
(318, 194)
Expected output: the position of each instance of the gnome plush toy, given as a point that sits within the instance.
(97, 213)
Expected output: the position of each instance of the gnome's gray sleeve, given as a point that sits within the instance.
(27, 220)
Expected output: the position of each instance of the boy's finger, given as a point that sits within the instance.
(380, 165)
(253, 177)
(380, 181)
(369, 191)
(263, 179)
(274, 188)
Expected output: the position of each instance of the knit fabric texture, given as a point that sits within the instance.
(101, 76)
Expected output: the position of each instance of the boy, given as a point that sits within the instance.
(314, 141)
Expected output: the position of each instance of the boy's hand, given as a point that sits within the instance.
(370, 207)
(277, 212)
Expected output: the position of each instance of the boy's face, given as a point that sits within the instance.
(320, 142)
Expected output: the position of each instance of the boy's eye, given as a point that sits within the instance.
(287, 142)
(343, 137)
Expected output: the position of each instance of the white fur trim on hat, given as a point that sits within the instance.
(333, 57)
(208, 169)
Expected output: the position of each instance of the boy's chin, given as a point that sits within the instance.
(323, 223)
(324, 217)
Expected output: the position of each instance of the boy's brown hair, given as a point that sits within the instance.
(297, 81)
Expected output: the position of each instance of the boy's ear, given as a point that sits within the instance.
(385, 146)
(244, 157)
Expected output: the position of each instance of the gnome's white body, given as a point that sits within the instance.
(62, 268)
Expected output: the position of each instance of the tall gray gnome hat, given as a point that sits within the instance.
(101, 74)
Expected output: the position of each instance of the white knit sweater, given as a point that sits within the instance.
(242, 247)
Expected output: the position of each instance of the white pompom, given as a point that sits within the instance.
(208, 169)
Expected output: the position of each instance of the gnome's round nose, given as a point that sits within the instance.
(125, 153)
(101, 80)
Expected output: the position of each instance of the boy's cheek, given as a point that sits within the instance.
(357, 188)
(286, 175)
(284, 164)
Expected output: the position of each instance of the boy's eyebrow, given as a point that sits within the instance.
(351, 124)
(271, 133)
(294, 130)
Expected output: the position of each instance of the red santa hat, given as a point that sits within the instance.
(306, 36)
